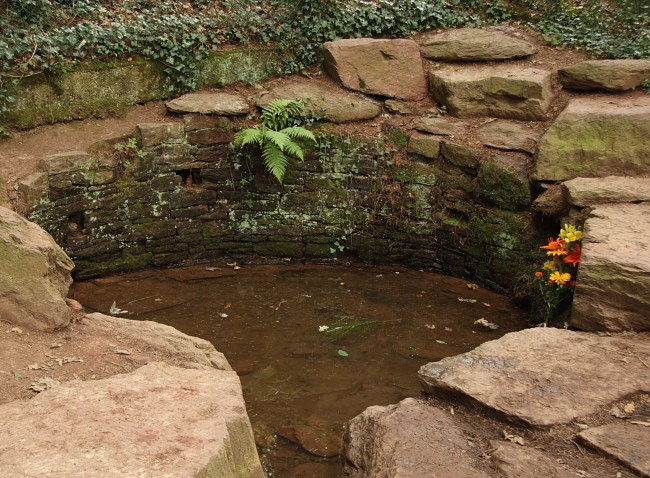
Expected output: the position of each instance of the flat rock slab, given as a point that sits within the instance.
(391, 68)
(157, 421)
(516, 461)
(35, 275)
(226, 104)
(596, 137)
(473, 44)
(544, 376)
(613, 289)
(504, 92)
(441, 126)
(609, 75)
(508, 136)
(584, 192)
(332, 103)
(626, 442)
(408, 440)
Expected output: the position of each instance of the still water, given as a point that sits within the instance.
(313, 345)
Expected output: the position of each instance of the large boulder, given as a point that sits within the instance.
(596, 137)
(543, 376)
(613, 289)
(473, 44)
(610, 75)
(331, 103)
(157, 421)
(407, 440)
(35, 275)
(502, 91)
(391, 68)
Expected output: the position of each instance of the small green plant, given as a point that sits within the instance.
(557, 279)
(645, 86)
(129, 152)
(277, 138)
(346, 325)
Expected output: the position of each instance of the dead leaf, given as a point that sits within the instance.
(513, 438)
(65, 360)
(55, 345)
(643, 424)
(15, 330)
(629, 407)
(34, 366)
(470, 301)
(42, 384)
(472, 286)
(122, 352)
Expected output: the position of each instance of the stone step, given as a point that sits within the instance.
(609, 75)
(543, 376)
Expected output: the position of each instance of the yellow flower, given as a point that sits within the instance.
(570, 233)
(559, 278)
(550, 265)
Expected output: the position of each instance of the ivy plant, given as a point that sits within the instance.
(276, 137)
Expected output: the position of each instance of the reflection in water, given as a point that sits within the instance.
(314, 345)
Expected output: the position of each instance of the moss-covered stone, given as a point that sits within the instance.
(504, 184)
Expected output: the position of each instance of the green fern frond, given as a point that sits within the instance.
(274, 160)
(277, 114)
(279, 138)
(249, 136)
(298, 132)
(294, 149)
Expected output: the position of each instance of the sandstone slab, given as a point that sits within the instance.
(594, 137)
(516, 461)
(544, 376)
(584, 192)
(473, 44)
(157, 421)
(426, 145)
(219, 103)
(391, 68)
(35, 275)
(407, 440)
(610, 75)
(613, 290)
(503, 92)
(626, 442)
(333, 104)
(441, 126)
(508, 136)
(152, 134)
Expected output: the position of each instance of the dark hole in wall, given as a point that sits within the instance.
(190, 177)
(76, 224)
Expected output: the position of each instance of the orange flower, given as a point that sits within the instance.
(574, 256)
(555, 247)
(539, 274)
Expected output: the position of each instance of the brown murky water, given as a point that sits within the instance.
(314, 345)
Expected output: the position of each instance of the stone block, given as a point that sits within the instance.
(461, 156)
(583, 192)
(67, 162)
(34, 188)
(609, 75)
(426, 145)
(152, 134)
(503, 181)
(473, 44)
(503, 91)
(214, 103)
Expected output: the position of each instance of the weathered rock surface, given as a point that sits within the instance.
(504, 181)
(516, 461)
(440, 126)
(595, 137)
(188, 351)
(503, 92)
(391, 68)
(508, 136)
(613, 291)
(473, 44)
(462, 156)
(628, 443)
(333, 104)
(552, 202)
(407, 440)
(610, 75)
(220, 103)
(426, 145)
(407, 108)
(584, 192)
(544, 376)
(35, 275)
(157, 421)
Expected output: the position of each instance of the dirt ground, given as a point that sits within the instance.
(31, 360)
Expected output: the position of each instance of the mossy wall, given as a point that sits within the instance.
(103, 88)
(183, 196)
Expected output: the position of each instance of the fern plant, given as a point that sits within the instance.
(277, 137)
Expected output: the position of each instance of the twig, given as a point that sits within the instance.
(582, 452)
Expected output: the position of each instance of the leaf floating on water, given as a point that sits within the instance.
(223, 315)
(472, 286)
(482, 321)
(343, 353)
(115, 310)
(441, 342)
(211, 269)
(469, 301)
(430, 326)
